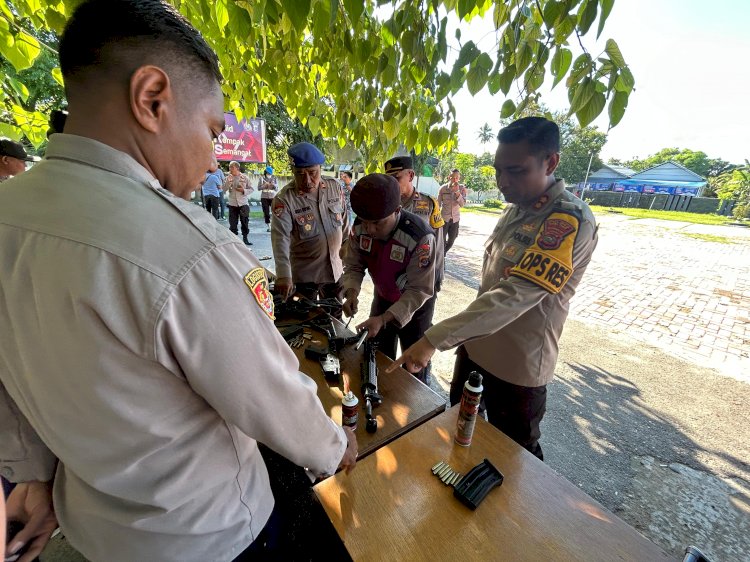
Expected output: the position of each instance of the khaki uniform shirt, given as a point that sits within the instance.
(402, 268)
(533, 263)
(307, 232)
(112, 365)
(451, 201)
(267, 187)
(428, 208)
(231, 183)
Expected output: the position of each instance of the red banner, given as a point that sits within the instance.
(243, 141)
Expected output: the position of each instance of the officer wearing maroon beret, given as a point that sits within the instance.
(397, 248)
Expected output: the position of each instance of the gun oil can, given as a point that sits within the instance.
(469, 409)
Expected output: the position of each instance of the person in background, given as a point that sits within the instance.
(346, 178)
(212, 188)
(452, 197)
(533, 263)
(267, 185)
(237, 185)
(138, 414)
(13, 158)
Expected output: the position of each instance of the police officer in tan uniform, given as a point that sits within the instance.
(309, 224)
(533, 263)
(398, 250)
(120, 392)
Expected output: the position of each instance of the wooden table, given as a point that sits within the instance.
(391, 507)
(407, 402)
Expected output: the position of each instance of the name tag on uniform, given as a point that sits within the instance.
(365, 243)
(398, 253)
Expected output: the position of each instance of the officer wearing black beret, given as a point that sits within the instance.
(397, 248)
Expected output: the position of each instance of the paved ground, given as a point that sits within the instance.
(648, 425)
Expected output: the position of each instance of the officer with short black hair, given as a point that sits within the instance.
(398, 249)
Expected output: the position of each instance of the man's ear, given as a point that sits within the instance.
(552, 162)
(151, 97)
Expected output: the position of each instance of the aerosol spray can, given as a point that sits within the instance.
(350, 410)
(469, 409)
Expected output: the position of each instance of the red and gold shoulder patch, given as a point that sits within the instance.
(423, 255)
(278, 209)
(257, 281)
(548, 262)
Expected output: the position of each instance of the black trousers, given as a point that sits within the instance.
(242, 213)
(451, 233)
(212, 205)
(408, 335)
(266, 204)
(314, 291)
(515, 410)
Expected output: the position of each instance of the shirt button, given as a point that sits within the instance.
(407, 221)
(7, 472)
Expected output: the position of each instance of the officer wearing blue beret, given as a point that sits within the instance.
(308, 227)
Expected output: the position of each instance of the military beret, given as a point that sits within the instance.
(304, 155)
(398, 163)
(375, 196)
(15, 150)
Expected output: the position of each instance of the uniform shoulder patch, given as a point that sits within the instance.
(436, 218)
(257, 281)
(423, 255)
(278, 208)
(548, 262)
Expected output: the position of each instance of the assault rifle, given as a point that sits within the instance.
(370, 385)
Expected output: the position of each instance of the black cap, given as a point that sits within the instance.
(15, 150)
(397, 164)
(475, 379)
(375, 196)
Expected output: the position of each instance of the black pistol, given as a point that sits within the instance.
(370, 385)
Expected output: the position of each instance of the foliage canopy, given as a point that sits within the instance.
(373, 73)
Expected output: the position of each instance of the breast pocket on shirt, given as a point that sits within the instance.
(337, 213)
(307, 225)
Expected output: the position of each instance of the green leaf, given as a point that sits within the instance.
(313, 123)
(391, 128)
(592, 109)
(625, 81)
(587, 15)
(10, 131)
(501, 13)
(222, 13)
(476, 79)
(388, 111)
(615, 55)
(508, 109)
(606, 9)
(617, 108)
(19, 88)
(523, 56)
(493, 83)
(581, 67)
(560, 64)
(354, 8)
(465, 7)
(506, 80)
(484, 61)
(583, 94)
(21, 50)
(467, 54)
(418, 73)
(551, 13)
(297, 10)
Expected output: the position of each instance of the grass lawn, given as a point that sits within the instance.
(482, 210)
(695, 218)
(709, 237)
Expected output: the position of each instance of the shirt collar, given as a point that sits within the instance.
(94, 153)
(546, 200)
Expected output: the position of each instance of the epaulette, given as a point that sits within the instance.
(413, 226)
(436, 217)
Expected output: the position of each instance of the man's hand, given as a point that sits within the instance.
(30, 503)
(351, 303)
(350, 455)
(284, 286)
(414, 359)
(373, 325)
